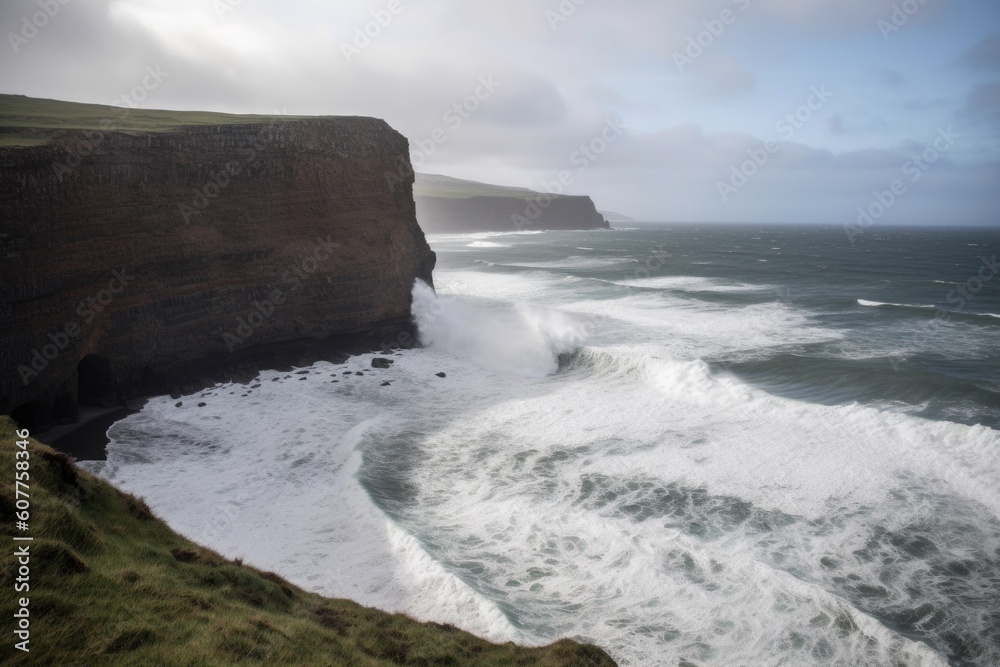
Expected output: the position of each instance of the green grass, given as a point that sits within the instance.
(446, 187)
(30, 121)
(113, 585)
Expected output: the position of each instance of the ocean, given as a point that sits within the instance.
(688, 444)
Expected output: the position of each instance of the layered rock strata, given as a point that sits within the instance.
(132, 262)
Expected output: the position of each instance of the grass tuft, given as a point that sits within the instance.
(136, 507)
(51, 558)
(130, 640)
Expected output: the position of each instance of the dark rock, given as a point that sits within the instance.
(256, 386)
(317, 192)
(460, 212)
(378, 362)
(442, 375)
(386, 384)
(175, 394)
(201, 405)
(136, 404)
(359, 373)
(178, 404)
(302, 372)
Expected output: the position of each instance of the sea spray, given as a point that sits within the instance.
(524, 339)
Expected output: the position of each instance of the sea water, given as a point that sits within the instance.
(700, 445)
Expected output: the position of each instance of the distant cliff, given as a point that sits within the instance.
(452, 205)
(141, 252)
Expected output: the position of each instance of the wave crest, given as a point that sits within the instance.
(526, 340)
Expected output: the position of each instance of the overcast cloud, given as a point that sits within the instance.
(828, 100)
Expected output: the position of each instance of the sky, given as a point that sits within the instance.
(829, 111)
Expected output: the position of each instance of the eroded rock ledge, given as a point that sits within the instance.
(136, 261)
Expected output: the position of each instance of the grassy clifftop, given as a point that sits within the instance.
(113, 585)
(446, 187)
(30, 121)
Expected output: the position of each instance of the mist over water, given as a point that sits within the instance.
(648, 439)
(522, 339)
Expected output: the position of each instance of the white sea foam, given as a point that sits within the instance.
(526, 339)
(694, 284)
(673, 321)
(632, 497)
(877, 304)
(439, 238)
(272, 478)
(576, 262)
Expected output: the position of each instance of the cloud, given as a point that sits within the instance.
(890, 78)
(842, 16)
(523, 103)
(558, 86)
(839, 126)
(982, 105)
(836, 124)
(725, 77)
(925, 105)
(984, 55)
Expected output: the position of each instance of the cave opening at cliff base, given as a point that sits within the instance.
(95, 383)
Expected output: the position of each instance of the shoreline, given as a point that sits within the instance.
(87, 439)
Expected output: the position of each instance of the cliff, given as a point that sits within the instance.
(446, 205)
(144, 250)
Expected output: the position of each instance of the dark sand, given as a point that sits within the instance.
(87, 439)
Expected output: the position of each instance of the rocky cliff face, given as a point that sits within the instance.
(135, 261)
(507, 213)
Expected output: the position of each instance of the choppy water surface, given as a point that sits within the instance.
(719, 445)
